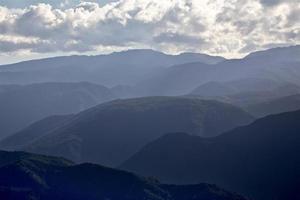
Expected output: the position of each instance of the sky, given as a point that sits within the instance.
(231, 28)
(54, 3)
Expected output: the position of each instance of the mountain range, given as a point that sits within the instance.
(260, 160)
(260, 97)
(119, 68)
(152, 73)
(275, 106)
(26, 176)
(190, 119)
(111, 132)
(279, 64)
(249, 82)
(22, 105)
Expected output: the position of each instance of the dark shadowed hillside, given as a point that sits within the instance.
(111, 132)
(23, 105)
(260, 160)
(280, 105)
(33, 132)
(26, 176)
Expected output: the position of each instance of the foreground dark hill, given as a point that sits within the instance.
(26, 176)
(23, 105)
(111, 132)
(260, 160)
(120, 68)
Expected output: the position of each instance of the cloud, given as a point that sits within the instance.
(277, 2)
(223, 27)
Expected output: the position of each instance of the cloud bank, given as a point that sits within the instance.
(220, 27)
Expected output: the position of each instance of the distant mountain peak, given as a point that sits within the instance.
(278, 51)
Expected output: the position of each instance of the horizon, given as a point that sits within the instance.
(128, 50)
(92, 27)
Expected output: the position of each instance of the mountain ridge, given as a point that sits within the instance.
(119, 128)
(24, 104)
(26, 176)
(259, 160)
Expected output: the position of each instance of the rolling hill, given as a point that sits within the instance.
(212, 89)
(279, 105)
(279, 64)
(23, 105)
(260, 160)
(254, 97)
(119, 68)
(111, 132)
(26, 176)
(33, 132)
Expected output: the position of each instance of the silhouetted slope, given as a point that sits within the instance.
(280, 64)
(248, 85)
(23, 105)
(11, 158)
(247, 97)
(279, 54)
(153, 73)
(111, 132)
(33, 132)
(280, 105)
(28, 176)
(4, 88)
(260, 160)
(119, 68)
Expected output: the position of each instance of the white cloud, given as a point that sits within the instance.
(223, 27)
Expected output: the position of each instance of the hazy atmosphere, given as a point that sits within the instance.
(150, 100)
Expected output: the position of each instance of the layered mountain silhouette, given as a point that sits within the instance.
(254, 95)
(154, 73)
(260, 160)
(280, 105)
(33, 132)
(23, 105)
(26, 176)
(111, 132)
(121, 68)
(279, 64)
(186, 119)
(249, 85)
